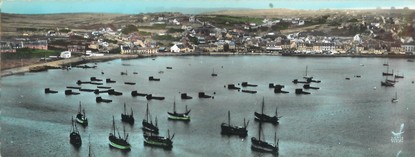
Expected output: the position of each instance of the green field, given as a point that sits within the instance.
(26, 53)
(223, 20)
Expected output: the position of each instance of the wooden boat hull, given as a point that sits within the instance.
(121, 144)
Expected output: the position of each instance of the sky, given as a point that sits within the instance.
(185, 6)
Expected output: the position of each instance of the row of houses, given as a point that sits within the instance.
(11, 46)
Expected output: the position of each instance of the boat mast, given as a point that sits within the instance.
(125, 111)
(263, 103)
(80, 107)
(259, 130)
(276, 111)
(229, 118)
(174, 105)
(156, 121)
(306, 68)
(113, 124)
(131, 111)
(275, 138)
(147, 113)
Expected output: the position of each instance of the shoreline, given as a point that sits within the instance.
(84, 59)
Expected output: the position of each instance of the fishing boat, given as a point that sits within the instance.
(387, 72)
(306, 74)
(81, 116)
(213, 73)
(398, 76)
(228, 129)
(148, 124)
(48, 90)
(179, 116)
(386, 64)
(261, 117)
(124, 73)
(118, 142)
(387, 83)
(128, 118)
(262, 145)
(395, 99)
(159, 141)
(152, 78)
(135, 93)
(74, 137)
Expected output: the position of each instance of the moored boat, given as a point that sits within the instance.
(213, 73)
(179, 116)
(148, 124)
(128, 118)
(152, 78)
(48, 91)
(262, 145)
(81, 116)
(228, 129)
(387, 72)
(261, 117)
(395, 99)
(135, 93)
(74, 137)
(118, 142)
(100, 99)
(159, 141)
(150, 97)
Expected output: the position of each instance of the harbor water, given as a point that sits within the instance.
(352, 117)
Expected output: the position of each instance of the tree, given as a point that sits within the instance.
(271, 5)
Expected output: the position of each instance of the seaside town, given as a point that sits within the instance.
(250, 82)
(389, 32)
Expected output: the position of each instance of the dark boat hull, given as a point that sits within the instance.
(135, 93)
(387, 84)
(150, 127)
(75, 139)
(179, 116)
(263, 146)
(80, 118)
(158, 141)
(127, 118)
(118, 143)
(233, 130)
(266, 118)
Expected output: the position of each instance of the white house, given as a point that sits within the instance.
(65, 54)
(175, 48)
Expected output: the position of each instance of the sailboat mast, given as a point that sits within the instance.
(80, 107)
(259, 130)
(125, 111)
(174, 106)
(275, 138)
(147, 113)
(113, 124)
(229, 118)
(263, 103)
(276, 111)
(124, 131)
(306, 69)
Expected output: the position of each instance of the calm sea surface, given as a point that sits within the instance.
(343, 118)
